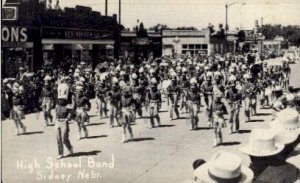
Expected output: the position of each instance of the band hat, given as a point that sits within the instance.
(5, 80)
(288, 120)
(262, 144)
(47, 78)
(277, 89)
(224, 167)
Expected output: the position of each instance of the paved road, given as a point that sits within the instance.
(162, 154)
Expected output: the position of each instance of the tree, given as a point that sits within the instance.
(157, 27)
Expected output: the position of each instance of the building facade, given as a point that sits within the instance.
(185, 42)
(34, 34)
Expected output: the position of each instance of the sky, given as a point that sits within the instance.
(197, 13)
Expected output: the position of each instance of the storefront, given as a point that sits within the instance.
(188, 42)
(137, 48)
(17, 49)
(34, 35)
(63, 44)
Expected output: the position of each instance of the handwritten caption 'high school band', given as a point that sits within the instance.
(53, 169)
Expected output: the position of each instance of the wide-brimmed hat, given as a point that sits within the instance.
(262, 144)
(282, 136)
(224, 167)
(287, 119)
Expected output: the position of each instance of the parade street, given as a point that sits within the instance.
(161, 154)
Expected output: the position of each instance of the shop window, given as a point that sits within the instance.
(183, 51)
(198, 46)
(204, 46)
(191, 46)
(184, 46)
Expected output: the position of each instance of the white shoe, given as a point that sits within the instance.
(17, 132)
(60, 156)
(24, 129)
(123, 139)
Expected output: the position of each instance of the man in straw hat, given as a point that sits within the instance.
(17, 113)
(63, 116)
(278, 101)
(262, 149)
(224, 167)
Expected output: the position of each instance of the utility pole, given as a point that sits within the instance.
(106, 7)
(261, 37)
(120, 12)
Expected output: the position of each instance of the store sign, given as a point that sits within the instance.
(14, 34)
(62, 33)
(141, 41)
(9, 13)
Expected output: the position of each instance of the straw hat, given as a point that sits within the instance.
(288, 120)
(224, 166)
(262, 144)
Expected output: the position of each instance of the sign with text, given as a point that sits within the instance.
(9, 13)
(14, 34)
(65, 33)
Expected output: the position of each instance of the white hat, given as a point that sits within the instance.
(184, 69)
(134, 76)
(232, 78)
(151, 71)
(141, 70)
(262, 144)
(287, 119)
(5, 80)
(76, 74)
(290, 97)
(47, 78)
(122, 73)
(224, 166)
(115, 80)
(77, 70)
(153, 81)
(63, 91)
(193, 80)
(82, 79)
(246, 76)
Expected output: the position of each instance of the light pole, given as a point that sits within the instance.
(226, 16)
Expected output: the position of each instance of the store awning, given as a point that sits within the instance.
(74, 47)
(70, 41)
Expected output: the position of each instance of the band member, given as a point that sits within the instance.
(184, 86)
(127, 103)
(47, 100)
(250, 95)
(154, 100)
(234, 98)
(137, 95)
(101, 91)
(63, 116)
(207, 90)
(114, 98)
(173, 95)
(219, 110)
(194, 103)
(278, 101)
(17, 113)
(82, 106)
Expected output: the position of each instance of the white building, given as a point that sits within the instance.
(185, 41)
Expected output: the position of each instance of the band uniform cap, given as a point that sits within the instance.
(47, 78)
(193, 81)
(224, 167)
(262, 144)
(232, 78)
